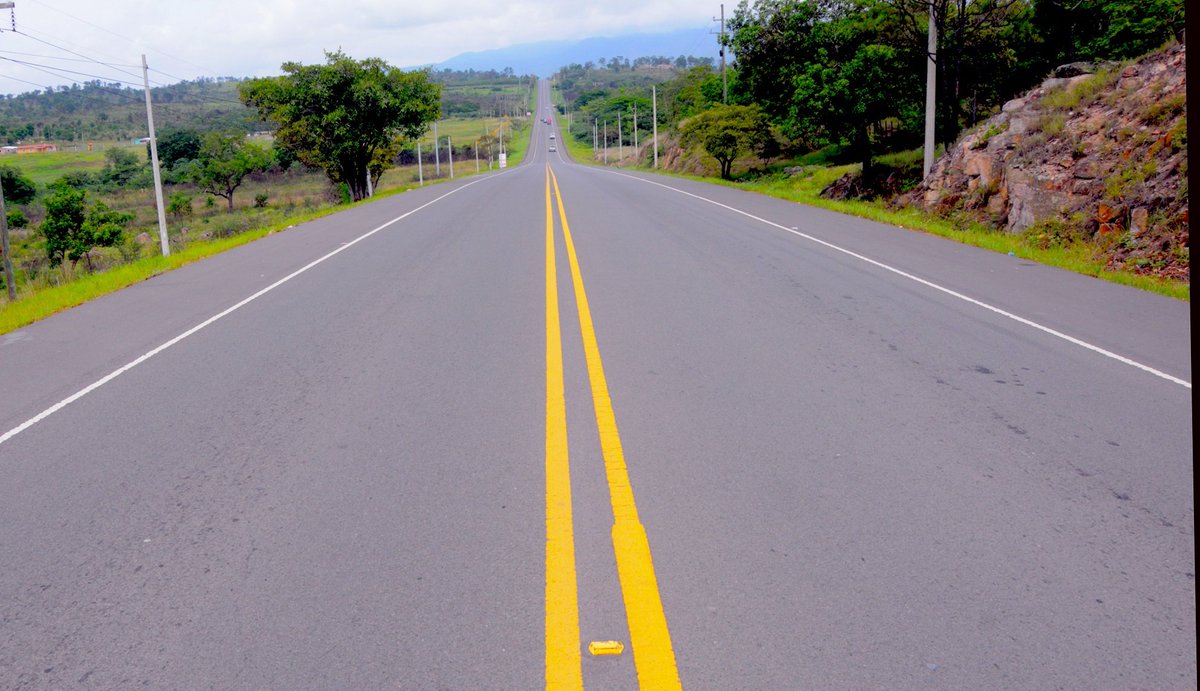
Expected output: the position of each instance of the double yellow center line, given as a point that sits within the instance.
(650, 639)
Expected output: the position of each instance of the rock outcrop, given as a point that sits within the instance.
(1098, 153)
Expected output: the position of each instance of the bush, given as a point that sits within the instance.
(260, 200)
(180, 205)
(17, 219)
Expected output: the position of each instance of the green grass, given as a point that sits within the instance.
(45, 168)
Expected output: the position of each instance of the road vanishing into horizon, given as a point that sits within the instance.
(562, 426)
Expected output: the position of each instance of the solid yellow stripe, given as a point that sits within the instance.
(649, 636)
(563, 658)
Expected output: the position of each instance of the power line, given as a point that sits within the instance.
(58, 71)
(53, 57)
(68, 50)
(121, 36)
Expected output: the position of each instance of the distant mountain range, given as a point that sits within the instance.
(546, 57)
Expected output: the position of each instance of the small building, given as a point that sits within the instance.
(28, 149)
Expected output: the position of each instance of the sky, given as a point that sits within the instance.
(229, 38)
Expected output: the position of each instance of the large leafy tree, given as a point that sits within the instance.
(729, 132)
(826, 71)
(224, 162)
(339, 115)
(72, 229)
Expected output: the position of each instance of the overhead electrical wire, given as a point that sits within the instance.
(122, 36)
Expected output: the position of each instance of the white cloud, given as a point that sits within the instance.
(239, 38)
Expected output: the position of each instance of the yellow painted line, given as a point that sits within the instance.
(563, 658)
(653, 655)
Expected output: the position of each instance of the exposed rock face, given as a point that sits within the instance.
(1102, 154)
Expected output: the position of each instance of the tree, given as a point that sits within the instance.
(72, 230)
(337, 116)
(224, 162)
(827, 70)
(728, 132)
(180, 145)
(18, 189)
(121, 166)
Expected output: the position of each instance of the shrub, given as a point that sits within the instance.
(180, 205)
(260, 200)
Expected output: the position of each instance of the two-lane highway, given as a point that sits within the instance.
(450, 438)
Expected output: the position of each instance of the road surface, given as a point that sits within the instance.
(759, 445)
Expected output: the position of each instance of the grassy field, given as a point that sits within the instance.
(44, 168)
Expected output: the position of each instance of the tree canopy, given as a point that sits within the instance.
(224, 161)
(18, 188)
(72, 229)
(339, 115)
(728, 132)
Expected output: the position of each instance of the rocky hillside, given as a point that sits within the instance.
(1097, 153)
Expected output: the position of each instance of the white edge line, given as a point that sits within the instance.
(924, 282)
(128, 366)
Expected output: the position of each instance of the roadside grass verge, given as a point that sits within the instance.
(806, 189)
(1075, 257)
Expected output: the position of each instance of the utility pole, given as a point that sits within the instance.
(420, 171)
(9, 279)
(450, 153)
(158, 195)
(654, 99)
(930, 94)
(721, 43)
(437, 153)
(476, 155)
(606, 141)
(635, 139)
(370, 187)
(620, 139)
(595, 133)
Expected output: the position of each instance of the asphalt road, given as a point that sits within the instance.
(862, 457)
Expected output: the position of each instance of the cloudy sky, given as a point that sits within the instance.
(60, 41)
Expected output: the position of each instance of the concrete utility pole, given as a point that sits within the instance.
(654, 100)
(9, 279)
(721, 42)
(930, 94)
(606, 141)
(437, 153)
(476, 155)
(370, 187)
(635, 141)
(450, 153)
(620, 139)
(595, 133)
(158, 195)
(420, 168)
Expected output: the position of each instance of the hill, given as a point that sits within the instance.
(545, 57)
